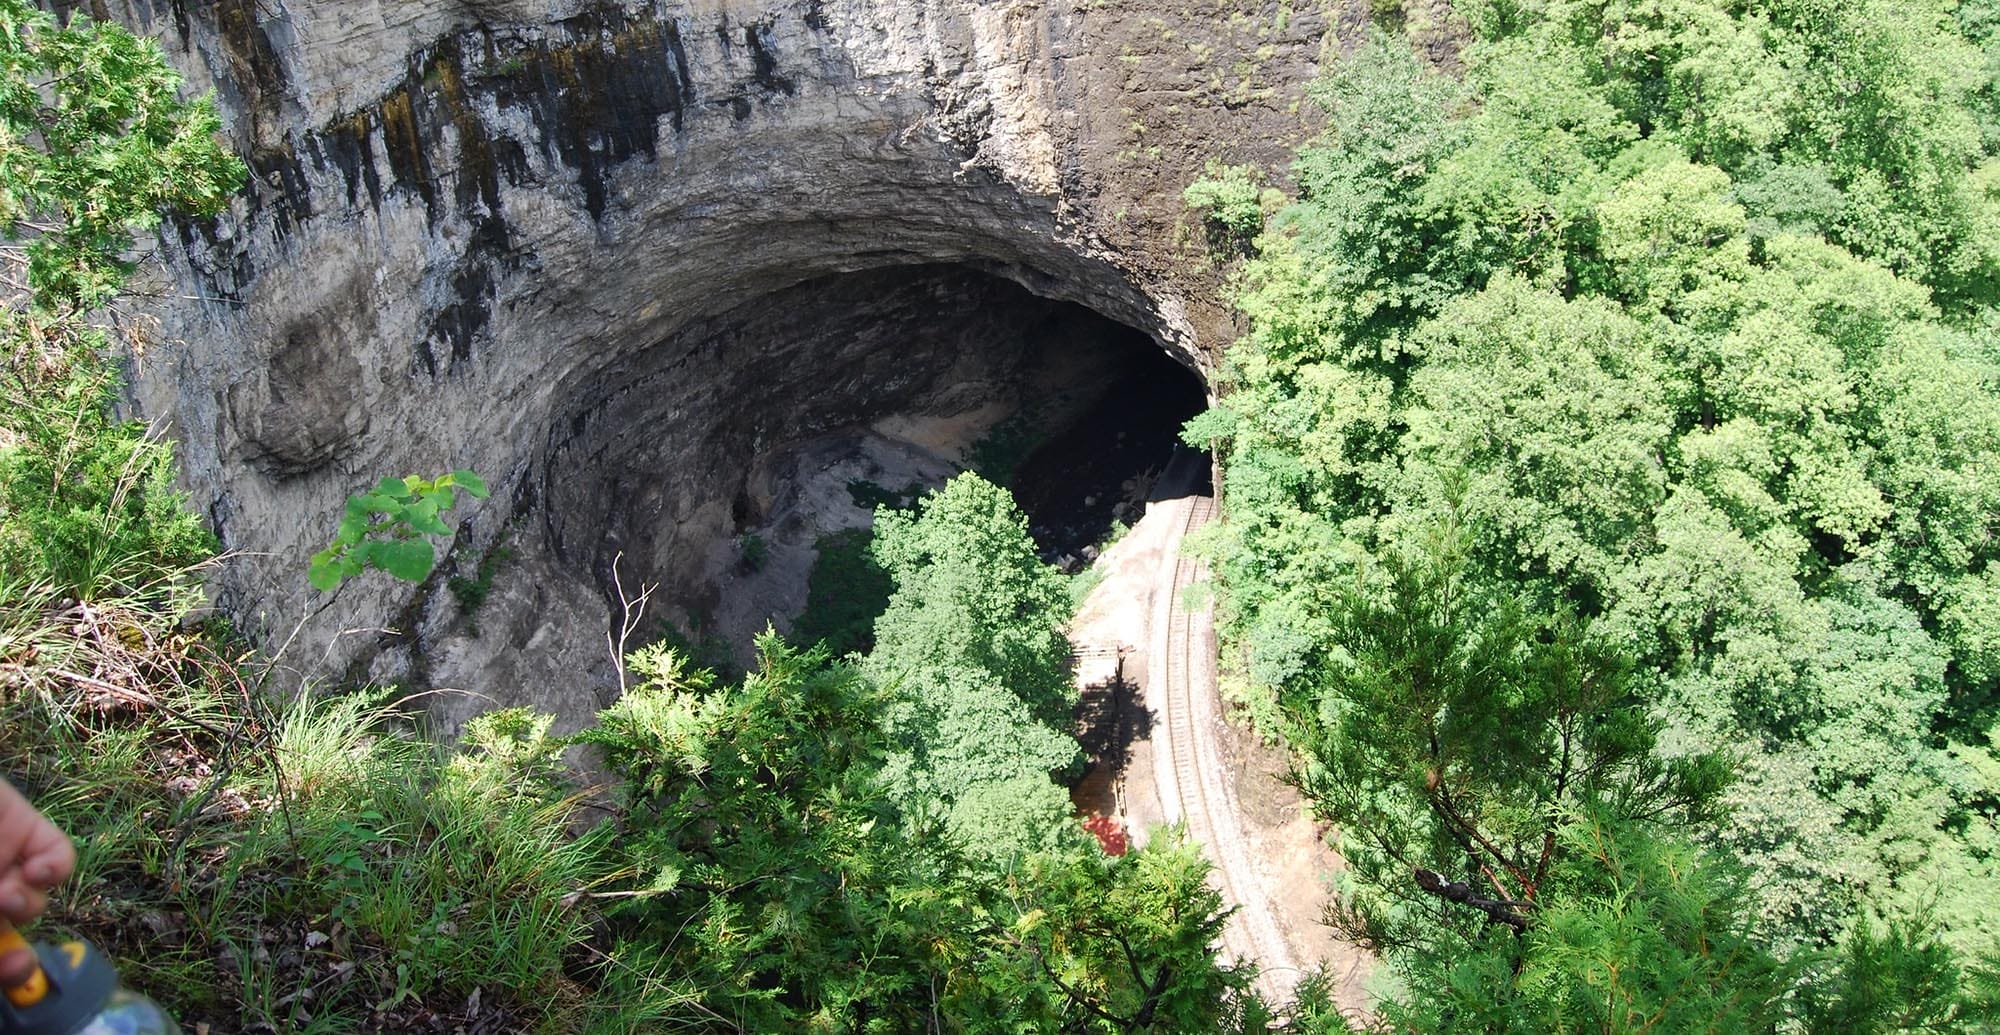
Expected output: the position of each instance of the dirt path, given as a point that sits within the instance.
(1181, 762)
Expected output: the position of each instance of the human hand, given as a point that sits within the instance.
(34, 857)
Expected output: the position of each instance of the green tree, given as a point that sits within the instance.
(94, 144)
(97, 144)
(1633, 932)
(1461, 740)
(1125, 944)
(771, 874)
(774, 886)
(972, 644)
(1678, 313)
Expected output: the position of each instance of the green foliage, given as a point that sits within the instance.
(774, 887)
(471, 592)
(1634, 933)
(1675, 313)
(1900, 981)
(1463, 737)
(755, 553)
(86, 500)
(1127, 942)
(845, 592)
(94, 143)
(1006, 446)
(238, 852)
(972, 641)
(971, 593)
(1231, 200)
(772, 875)
(869, 496)
(384, 529)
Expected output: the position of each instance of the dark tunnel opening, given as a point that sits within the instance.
(1097, 469)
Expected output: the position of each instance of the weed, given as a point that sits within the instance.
(845, 593)
(471, 592)
(753, 552)
(996, 456)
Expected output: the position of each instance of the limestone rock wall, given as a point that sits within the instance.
(476, 225)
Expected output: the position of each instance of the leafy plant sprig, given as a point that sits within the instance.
(385, 529)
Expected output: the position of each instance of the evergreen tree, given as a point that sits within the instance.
(95, 143)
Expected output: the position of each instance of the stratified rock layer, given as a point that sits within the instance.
(617, 257)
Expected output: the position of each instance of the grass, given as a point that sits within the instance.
(1084, 582)
(845, 593)
(996, 456)
(314, 865)
(471, 593)
(869, 496)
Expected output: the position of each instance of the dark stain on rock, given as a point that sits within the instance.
(473, 289)
(290, 193)
(524, 498)
(181, 18)
(304, 407)
(596, 90)
(763, 63)
(598, 101)
(593, 91)
(224, 268)
(346, 145)
(254, 74)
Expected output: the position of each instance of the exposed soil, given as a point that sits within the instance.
(1279, 854)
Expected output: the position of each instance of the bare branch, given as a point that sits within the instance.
(1502, 910)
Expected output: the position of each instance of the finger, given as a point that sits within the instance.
(51, 860)
(20, 827)
(21, 902)
(29, 841)
(16, 967)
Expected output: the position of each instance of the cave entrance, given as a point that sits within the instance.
(1095, 467)
(719, 462)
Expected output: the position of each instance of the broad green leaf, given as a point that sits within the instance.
(407, 559)
(470, 482)
(324, 573)
(423, 517)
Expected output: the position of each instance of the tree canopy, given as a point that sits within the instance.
(1621, 406)
(972, 643)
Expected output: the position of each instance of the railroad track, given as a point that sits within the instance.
(1194, 781)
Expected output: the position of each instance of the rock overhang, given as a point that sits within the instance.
(535, 198)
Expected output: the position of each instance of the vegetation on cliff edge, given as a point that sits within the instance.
(1611, 519)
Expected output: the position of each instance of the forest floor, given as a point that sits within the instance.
(1163, 753)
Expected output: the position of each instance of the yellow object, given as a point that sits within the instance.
(31, 991)
(36, 988)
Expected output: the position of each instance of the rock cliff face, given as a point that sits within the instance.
(619, 257)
